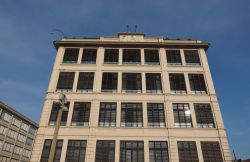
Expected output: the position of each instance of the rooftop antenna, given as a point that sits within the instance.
(58, 31)
(127, 28)
(135, 28)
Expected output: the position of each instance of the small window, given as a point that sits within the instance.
(182, 115)
(54, 113)
(46, 150)
(18, 151)
(89, 56)
(131, 83)
(85, 82)
(177, 83)
(32, 130)
(105, 151)
(76, 151)
(29, 141)
(5, 116)
(151, 57)
(81, 114)
(65, 81)
(197, 83)
(71, 55)
(156, 116)
(109, 82)
(211, 151)
(111, 56)
(131, 151)
(107, 114)
(131, 56)
(173, 57)
(3, 130)
(204, 116)
(158, 151)
(16, 122)
(8, 147)
(131, 115)
(192, 57)
(153, 83)
(187, 151)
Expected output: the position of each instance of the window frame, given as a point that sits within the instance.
(181, 111)
(85, 78)
(148, 56)
(156, 150)
(204, 119)
(105, 151)
(192, 59)
(114, 52)
(79, 148)
(54, 114)
(134, 82)
(112, 78)
(156, 110)
(103, 121)
(177, 83)
(153, 83)
(127, 56)
(91, 56)
(65, 83)
(131, 111)
(211, 153)
(82, 118)
(138, 151)
(174, 60)
(198, 84)
(189, 151)
(72, 53)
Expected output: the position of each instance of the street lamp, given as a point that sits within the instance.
(62, 107)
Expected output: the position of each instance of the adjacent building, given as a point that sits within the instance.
(132, 98)
(17, 135)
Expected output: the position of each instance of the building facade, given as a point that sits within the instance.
(132, 98)
(17, 135)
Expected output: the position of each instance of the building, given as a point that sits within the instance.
(17, 135)
(132, 98)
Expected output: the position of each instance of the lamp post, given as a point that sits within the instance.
(62, 107)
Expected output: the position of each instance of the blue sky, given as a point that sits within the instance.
(27, 53)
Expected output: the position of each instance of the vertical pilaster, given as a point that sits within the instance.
(79, 60)
(143, 80)
(75, 81)
(191, 106)
(117, 151)
(146, 150)
(145, 115)
(142, 57)
(183, 61)
(199, 151)
(187, 83)
(70, 113)
(118, 114)
(120, 56)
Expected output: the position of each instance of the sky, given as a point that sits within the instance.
(27, 52)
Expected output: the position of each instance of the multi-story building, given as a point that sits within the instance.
(132, 98)
(17, 134)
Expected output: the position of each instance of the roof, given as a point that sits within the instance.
(13, 111)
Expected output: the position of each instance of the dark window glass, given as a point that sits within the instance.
(156, 116)
(197, 83)
(66, 80)
(76, 151)
(211, 151)
(131, 82)
(107, 114)
(85, 81)
(105, 151)
(204, 116)
(173, 57)
(187, 151)
(192, 57)
(46, 150)
(29, 141)
(81, 113)
(54, 113)
(131, 115)
(109, 82)
(111, 56)
(151, 57)
(131, 151)
(177, 83)
(153, 83)
(182, 115)
(131, 56)
(158, 151)
(89, 56)
(71, 55)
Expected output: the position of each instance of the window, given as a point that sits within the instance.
(153, 83)
(71, 55)
(131, 56)
(107, 114)
(131, 82)
(109, 82)
(18, 150)
(158, 151)
(3, 130)
(76, 151)
(16, 122)
(5, 116)
(8, 147)
(21, 138)
(204, 116)
(177, 83)
(46, 150)
(1, 144)
(12, 134)
(187, 151)
(27, 153)
(192, 57)
(54, 113)
(85, 81)
(81, 114)
(182, 115)
(89, 56)
(4, 158)
(131, 151)
(173, 57)
(29, 141)
(197, 83)
(131, 115)
(105, 151)
(156, 117)
(111, 56)
(32, 130)
(65, 81)
(25, 127)
(211, 151)
(151, 57)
